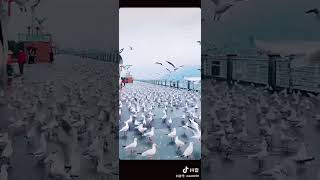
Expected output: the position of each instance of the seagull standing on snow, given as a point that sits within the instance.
(188, 151)
(132, 146)
(141, 129)
(125, 128)
(149, 134)
(150, 152)
(173, 133)
(4, 172)
(178, 142)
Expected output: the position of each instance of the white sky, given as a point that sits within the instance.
(159, 34)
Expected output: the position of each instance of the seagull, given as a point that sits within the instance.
(199, 42)
(188, 151)
(159, 63)
(125, 128)
(302, 155)
(130, 48)
(178, 142)
(132, 145)
(121, 50)
(169, 122)
(149, 134)
(8, 150)
(314, 11)
(150, 152)
(171, 64)
(168, 70)
(173, 133)
(130, 120)
(141, 129)
(4, 172)
(222, 8)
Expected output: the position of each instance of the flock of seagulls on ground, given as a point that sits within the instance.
(250, 123)
(152, 117)
(64, 122)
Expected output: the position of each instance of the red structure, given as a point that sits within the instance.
(43, 50)
(129, 78)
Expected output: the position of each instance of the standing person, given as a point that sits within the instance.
(22, 58)
(9, 67)
(32, 56)
(29, 56)
(51, 56)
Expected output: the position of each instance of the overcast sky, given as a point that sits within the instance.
(74, 23)
(159, 34)
(263, 19)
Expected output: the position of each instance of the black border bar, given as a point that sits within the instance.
(158, 169)
(160, 3)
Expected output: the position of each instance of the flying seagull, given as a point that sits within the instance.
(35, 4)
(40, 21)
(199, 42)
(130, 48)
(168, 70)
(22, 5)
(159, 63)
(314, 11)
(121, 50)
(222, 8)
(171, 64)
(178, 68)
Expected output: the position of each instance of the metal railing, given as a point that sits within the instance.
(179, 84)
(112, 57)
(273, 70)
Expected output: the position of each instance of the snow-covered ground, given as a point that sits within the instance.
(244, 124)
(173, 113)
(64, 113)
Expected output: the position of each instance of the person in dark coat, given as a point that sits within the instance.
(32, 56)
(51, 56)
(22, 59)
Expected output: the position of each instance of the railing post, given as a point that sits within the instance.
(178, 84)
(230, 59)
(290, 73)
(272, 71)
(188, 85)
